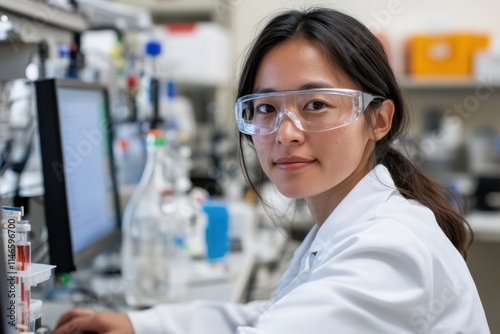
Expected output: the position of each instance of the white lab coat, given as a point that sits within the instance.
(379, 264)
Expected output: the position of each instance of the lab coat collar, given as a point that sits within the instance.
(374, 188)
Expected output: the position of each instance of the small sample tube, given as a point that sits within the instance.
(23, 246)
(23, 317)
(23, 265)
(10, 216)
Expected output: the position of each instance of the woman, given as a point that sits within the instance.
(320, 104)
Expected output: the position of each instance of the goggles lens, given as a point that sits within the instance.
(310, 110)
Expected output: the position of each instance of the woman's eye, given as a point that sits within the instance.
(315, 105)
(265, 108)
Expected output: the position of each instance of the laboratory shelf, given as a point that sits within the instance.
(38, 273)
(445, 82)
(175, 7)
(185, 10)
(42, 13)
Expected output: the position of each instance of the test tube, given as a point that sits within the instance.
(23, 265)
(23, 317)
(9, 218)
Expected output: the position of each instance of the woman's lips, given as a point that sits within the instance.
(292, 164)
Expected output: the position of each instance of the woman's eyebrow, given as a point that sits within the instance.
(315, 85)
(309, 85)
(262, 90)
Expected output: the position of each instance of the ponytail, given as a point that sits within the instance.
(413, 184)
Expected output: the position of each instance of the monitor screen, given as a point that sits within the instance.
(81, 198)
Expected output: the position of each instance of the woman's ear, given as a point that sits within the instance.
(382, 120)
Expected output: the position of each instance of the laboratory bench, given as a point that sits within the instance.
(227, 283)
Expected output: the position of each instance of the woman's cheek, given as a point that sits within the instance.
(262, 148)
(262, 144)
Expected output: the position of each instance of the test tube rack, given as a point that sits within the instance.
(37, 274)
(22, 279)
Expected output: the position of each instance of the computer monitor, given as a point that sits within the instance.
(82, 212)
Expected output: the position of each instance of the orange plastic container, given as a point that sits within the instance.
(449, 54)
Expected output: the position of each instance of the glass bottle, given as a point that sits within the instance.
(153, 245)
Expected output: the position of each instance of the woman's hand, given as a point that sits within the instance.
(86, 320)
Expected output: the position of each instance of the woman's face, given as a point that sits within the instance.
(309, 164)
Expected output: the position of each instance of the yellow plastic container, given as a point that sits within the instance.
(447, 54)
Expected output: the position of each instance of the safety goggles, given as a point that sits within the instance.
(311, 110)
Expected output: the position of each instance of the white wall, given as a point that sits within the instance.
(395, 18)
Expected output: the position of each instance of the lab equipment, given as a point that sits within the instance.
(23, 246)
(61, 64)
(23, 264)
(217, 231)
(148, 97)
(179, 110)
(154, 253)
(198, 53)
(22, 313)
(36, 315)
(27, 317)
(10, 217)
(130, 153)
(189, 199)
(82, 211)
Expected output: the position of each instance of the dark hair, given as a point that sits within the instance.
(355, 50)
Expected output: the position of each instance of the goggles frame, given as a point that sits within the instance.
(361, 101)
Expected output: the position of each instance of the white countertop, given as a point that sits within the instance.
(486, 225)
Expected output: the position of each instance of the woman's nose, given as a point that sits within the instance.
(288, 132)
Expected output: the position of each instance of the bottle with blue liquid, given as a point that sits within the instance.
(217, 230)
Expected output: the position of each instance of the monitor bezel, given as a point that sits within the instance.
(56, 205)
